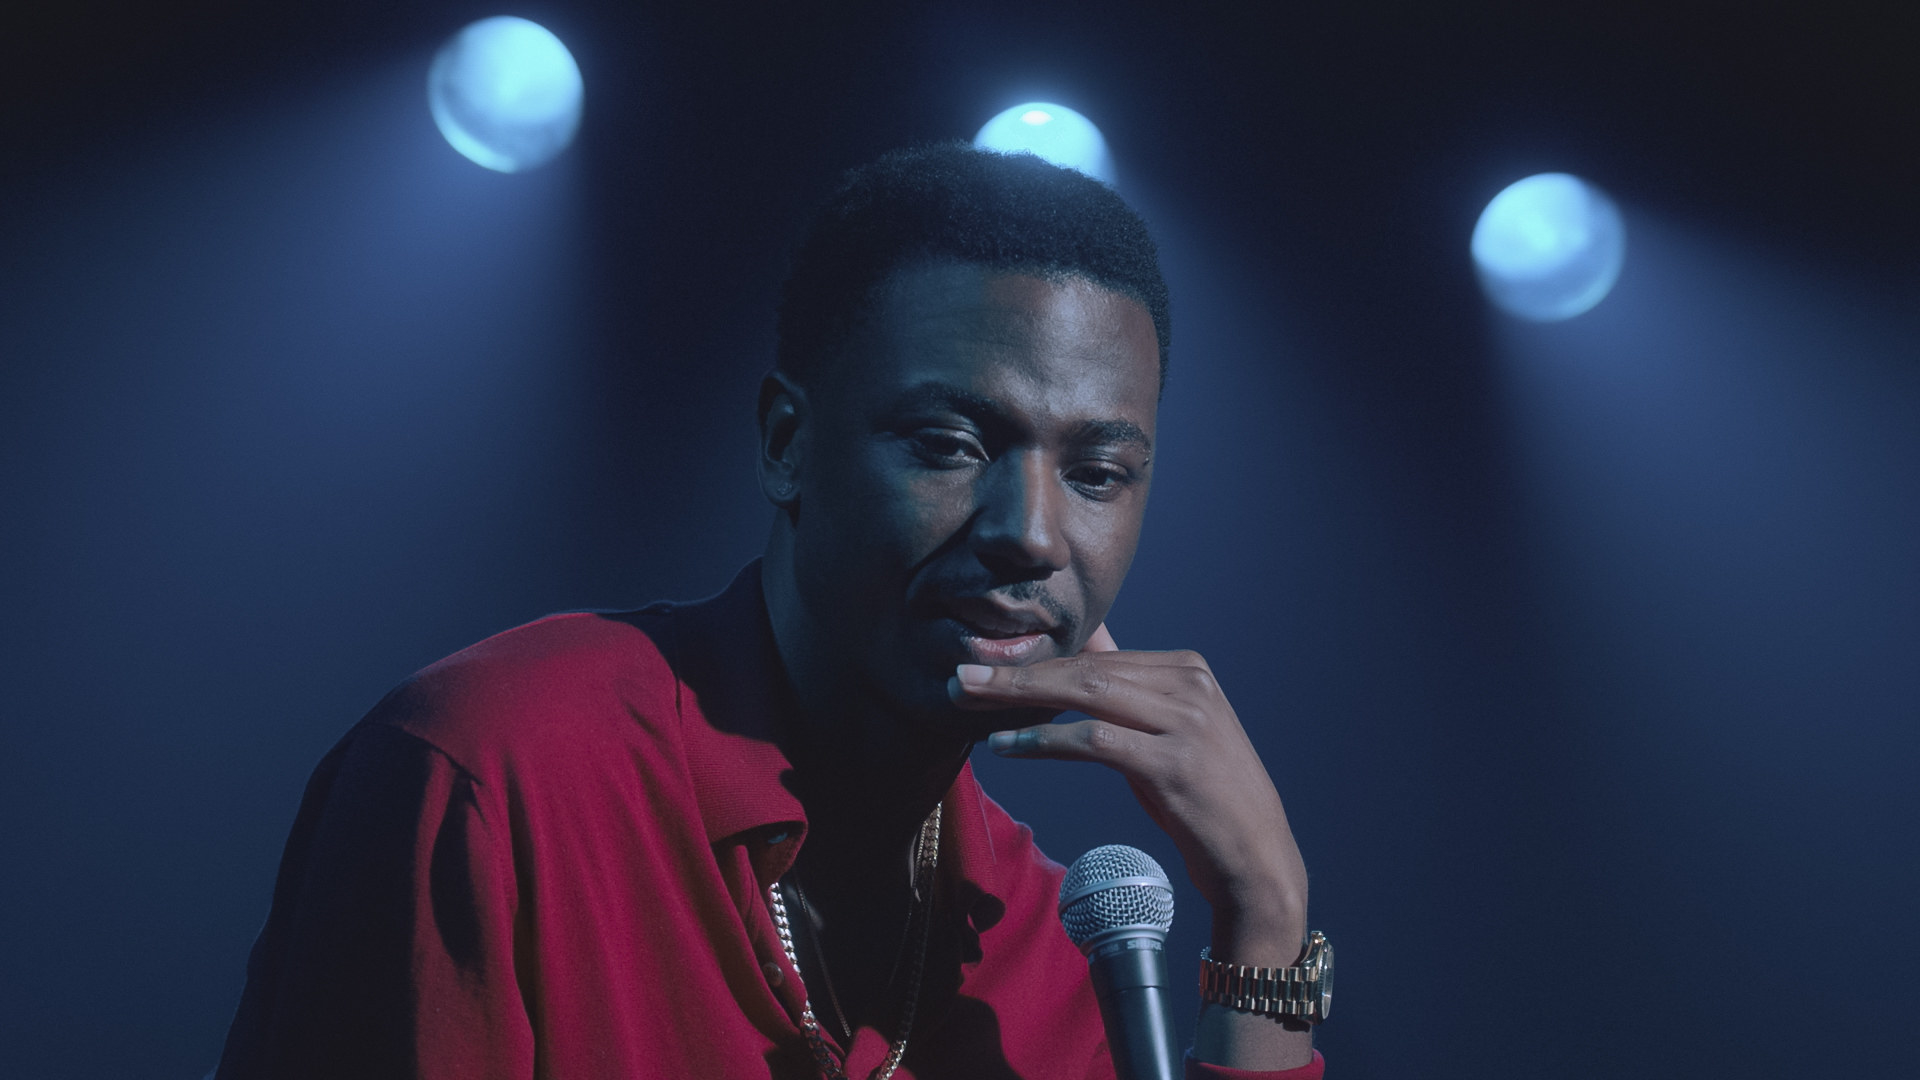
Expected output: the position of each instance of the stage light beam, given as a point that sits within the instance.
(1053, 132)
(506, 93)
(1549, 247)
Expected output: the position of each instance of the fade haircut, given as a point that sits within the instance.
(951, 202)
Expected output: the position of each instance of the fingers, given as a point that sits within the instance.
(1100, 641)
(1110, 688)
(1166, 658)
(1083, 740)
(1087, 681)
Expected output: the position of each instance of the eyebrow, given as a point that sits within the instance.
(1112, 433)
(935, 395)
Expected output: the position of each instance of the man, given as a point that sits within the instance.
(739, 838)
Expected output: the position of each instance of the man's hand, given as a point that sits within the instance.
(1161, 720)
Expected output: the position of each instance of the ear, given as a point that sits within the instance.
(783, 415)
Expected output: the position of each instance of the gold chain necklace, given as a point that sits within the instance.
(926, 860)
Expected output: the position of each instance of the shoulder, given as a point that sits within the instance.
(566, 685)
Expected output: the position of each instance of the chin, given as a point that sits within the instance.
(938, 715)
(924, 707)
(914, 683)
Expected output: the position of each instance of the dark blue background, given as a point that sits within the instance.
(1586, 656)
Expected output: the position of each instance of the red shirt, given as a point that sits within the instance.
(548, 856)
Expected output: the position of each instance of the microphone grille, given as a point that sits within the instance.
(1097, 898)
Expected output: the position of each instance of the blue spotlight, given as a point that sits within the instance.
(1053, 132)
(505, 93)
(1549, 247)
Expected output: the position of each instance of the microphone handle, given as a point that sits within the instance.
(1130, 982)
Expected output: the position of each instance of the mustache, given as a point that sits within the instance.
(1066, 621)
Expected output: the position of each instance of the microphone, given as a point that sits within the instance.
(1117, 906)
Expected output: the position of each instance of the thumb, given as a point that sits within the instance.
(1101, 640)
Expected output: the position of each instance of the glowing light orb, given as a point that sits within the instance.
(505, 93)
(1053, 132)
(1549, 247)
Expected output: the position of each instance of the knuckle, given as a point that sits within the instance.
(1199, 679)
(1089, 679)
(1105, 739)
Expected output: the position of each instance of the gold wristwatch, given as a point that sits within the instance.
(1301, 992)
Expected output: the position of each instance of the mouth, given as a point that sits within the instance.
(1011, 649)
(996, 635)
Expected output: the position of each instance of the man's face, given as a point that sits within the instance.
(975, 471)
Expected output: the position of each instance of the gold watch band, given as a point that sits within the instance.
(1302, 992)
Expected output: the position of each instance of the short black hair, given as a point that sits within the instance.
(950, 201)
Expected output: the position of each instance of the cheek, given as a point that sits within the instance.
(932, 509)
(1104, 540)
(888, 516)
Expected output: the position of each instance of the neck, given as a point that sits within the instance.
(864, 812)
(867, 775)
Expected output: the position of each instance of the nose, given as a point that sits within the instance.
(1017, 525)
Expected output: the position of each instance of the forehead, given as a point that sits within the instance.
(1051, 346)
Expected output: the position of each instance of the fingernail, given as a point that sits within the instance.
(1001, 741)
(974, 674)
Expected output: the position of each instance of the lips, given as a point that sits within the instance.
(988, 619)
(1000, 652)
(997, 634)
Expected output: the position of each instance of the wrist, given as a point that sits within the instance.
(1296, 996)
(1267, 930)
(1280, 946)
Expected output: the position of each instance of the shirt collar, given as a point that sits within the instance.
(731, 686)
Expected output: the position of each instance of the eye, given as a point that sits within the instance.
(946, 447)
(1100, 479)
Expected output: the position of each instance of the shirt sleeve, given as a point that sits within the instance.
(1200, 1070)
(388, 951)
